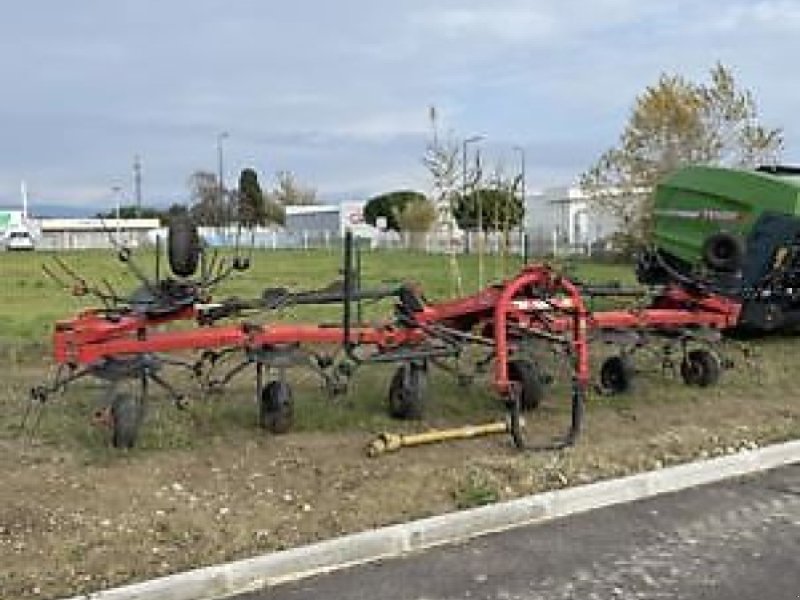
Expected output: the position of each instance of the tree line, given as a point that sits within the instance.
(214, 205)
(673, 123)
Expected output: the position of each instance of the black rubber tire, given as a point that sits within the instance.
(649, 271)
(183, 246)
(532, 385)
(276, 407)
(616, 375)
(126, 419)
(723, 251)
(407, 392)
(701, 368)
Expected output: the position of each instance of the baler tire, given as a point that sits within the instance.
(701, 368)
(183, 246)
(724, 252)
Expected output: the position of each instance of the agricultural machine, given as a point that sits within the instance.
(732, 233)
(495, 330)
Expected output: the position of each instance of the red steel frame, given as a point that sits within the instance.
(537, 299)
(78, 342)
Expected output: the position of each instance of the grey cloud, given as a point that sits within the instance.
(338, 91)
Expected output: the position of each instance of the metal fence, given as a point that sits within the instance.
(533, 243)
(87, 240)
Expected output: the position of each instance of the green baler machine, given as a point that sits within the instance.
(733, 232)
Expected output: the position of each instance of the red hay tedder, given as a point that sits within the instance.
(127, 340)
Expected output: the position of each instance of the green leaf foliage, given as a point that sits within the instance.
(493, 209)
(389, 205)
(252, 210)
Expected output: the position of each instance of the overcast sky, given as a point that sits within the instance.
(338, 91)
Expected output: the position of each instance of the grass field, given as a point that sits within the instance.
(30, 301)
(206, 485)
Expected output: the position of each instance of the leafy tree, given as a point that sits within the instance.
(500, 208)
(415, 218)
(252, 210)
(146, 212)
(131, 211)
(274, 212)
(674, 123)
(175, 210)
(389, 206)
(417, 215)
(288, 192)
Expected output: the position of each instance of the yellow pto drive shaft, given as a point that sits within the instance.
(391, 442)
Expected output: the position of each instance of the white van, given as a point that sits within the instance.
(19, 239)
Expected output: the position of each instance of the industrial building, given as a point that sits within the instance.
(334, 219)
(562, 217)
(76, 234)
(11, 219)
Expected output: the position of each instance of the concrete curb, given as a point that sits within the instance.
(244, 575)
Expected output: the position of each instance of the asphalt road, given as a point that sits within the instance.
(737, 540)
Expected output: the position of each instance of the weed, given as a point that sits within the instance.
(476, 489)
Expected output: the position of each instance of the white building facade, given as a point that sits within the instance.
(334, 219)
(563, 218)
(79, 234)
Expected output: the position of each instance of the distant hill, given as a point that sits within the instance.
(61, 211)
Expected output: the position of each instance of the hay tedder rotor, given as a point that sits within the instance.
(128, 339)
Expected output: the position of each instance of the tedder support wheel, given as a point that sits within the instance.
(616, 375)
(525, 373)
(701, 368)
(407, 392)
(126, 417)
(183, 246)
(276, 407)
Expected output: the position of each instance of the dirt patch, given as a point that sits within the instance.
(76, 516)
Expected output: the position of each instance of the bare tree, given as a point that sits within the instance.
(207, 206)
(441, 159)
(288, 192)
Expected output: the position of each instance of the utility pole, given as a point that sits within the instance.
(23, 188)
(137, 184)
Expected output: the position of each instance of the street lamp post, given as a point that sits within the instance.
(221, 169)
(471, 140)
(522, 240)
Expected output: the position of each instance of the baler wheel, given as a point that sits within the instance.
(724, 252)
(276, 407)
(701, 368)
